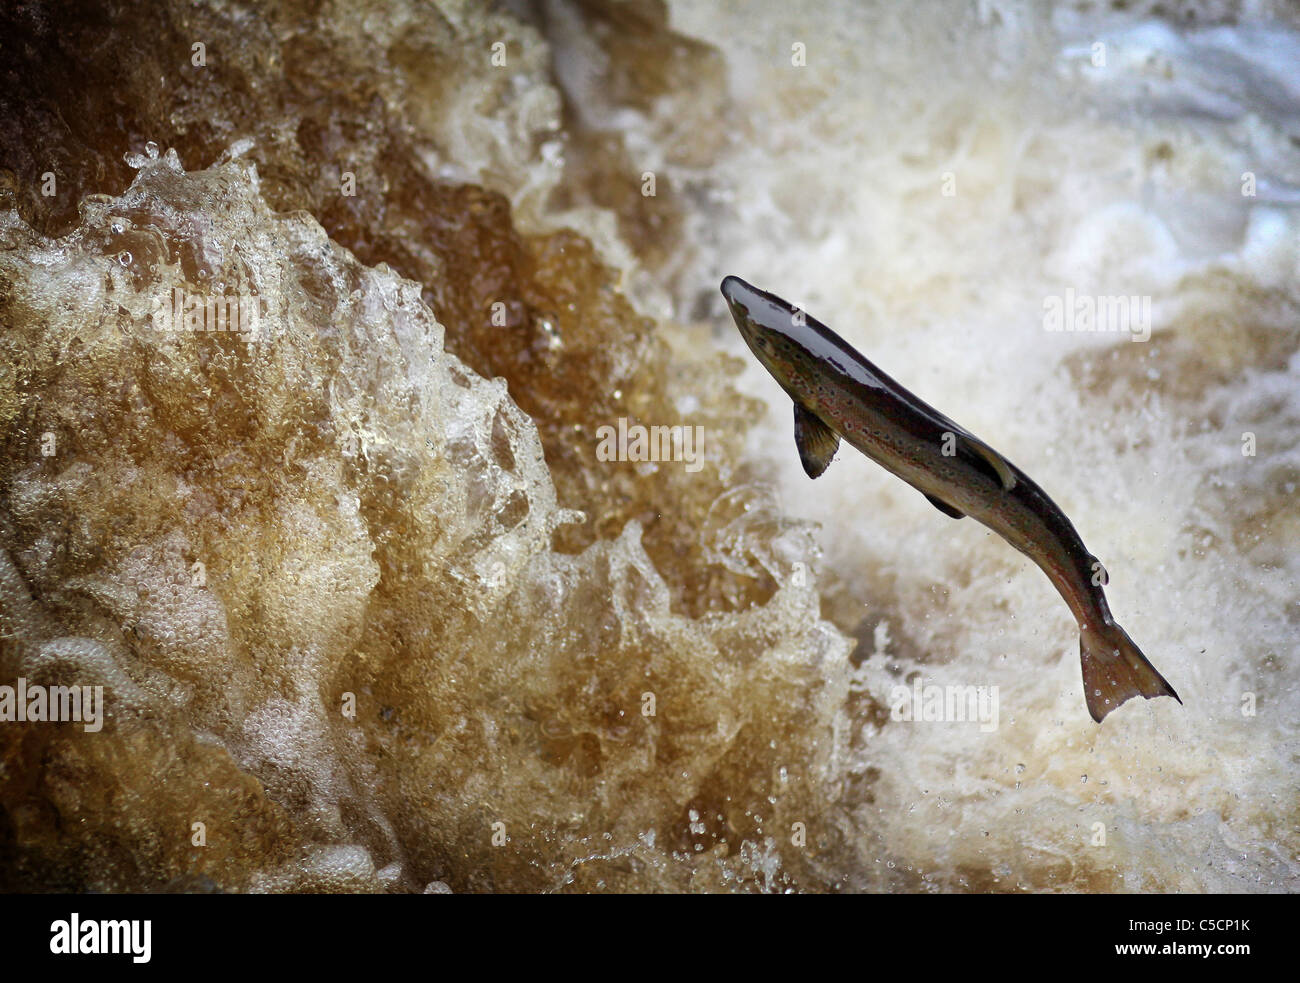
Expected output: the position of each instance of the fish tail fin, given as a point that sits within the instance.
(1115, 670)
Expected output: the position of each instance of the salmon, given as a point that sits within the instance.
(839, 395)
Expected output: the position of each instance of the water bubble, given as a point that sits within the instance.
(151, 149)
(551, 330)
(124, 258)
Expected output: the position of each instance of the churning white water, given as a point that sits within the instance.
(926, 182)
(366, 595)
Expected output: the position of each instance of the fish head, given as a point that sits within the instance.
(792, 345)
(784, 339)
(765, 322)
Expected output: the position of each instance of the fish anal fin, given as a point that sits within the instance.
(816, 441)
(944, 507)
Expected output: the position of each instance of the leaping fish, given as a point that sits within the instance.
(838, 393)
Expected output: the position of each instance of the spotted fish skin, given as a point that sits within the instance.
(839, 394)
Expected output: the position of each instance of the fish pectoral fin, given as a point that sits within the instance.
(816, 441)
(944, 507)
(995, 460)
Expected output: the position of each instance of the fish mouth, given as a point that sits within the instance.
(739, 295)
(757, 313)
(735, 291)
(732, 287)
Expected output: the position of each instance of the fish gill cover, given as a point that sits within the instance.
(329, 335)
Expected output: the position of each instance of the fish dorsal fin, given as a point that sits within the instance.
(817, 442)
(995, 460)
(944, 507)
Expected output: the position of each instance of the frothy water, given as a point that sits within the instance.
(1119, 178)
(386, 595)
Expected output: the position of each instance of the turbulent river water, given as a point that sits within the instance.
(329, 334)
